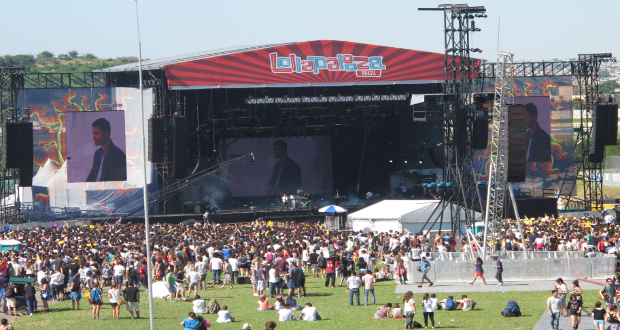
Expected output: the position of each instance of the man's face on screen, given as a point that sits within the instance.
(278, 152)
(530, 120)
(100, 137)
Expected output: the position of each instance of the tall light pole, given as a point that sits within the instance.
(145, 190)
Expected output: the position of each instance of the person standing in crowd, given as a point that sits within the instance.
(499, 269)
(29, 295)
(599, 316)
(409, 309)
(330, 272)
(554, 308)
(115, 297)
(353, 284)
(479, 271)
(369, 287)
(132, 300)
(429, 311)
(96, 299)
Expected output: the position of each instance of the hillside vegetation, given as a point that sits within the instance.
(72, 61)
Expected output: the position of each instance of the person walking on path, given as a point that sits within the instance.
(499, 267)
(479, 271)
(554, 308)
(424, 267)
(562, 291)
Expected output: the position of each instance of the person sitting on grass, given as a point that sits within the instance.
(466, 303)
(191, 322)
(286, 314)
(223, 316)
(397, 312)
(383, 312)
(263, 304)
(292, 302)
(279, 303)
(310, 313)
(199, 305)
(449, 304)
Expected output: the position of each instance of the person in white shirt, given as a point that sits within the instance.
(192, 278)
(57, 284)
(234, 267)
(223, 316)
(310, 313)
(119, 273)
(201, 269)
(353, 284)
(216, 267)
(286, 314)
(409, 309)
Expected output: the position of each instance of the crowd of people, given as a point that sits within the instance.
(76, 262)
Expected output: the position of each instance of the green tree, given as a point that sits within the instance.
(45, 55)
(607, 87)
(89, 57)
(73, 54)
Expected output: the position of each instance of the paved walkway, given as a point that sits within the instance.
(450, 287)
(587, 323)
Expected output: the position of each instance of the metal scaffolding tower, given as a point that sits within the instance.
(496, 191)
(458, 130)
(586, 70)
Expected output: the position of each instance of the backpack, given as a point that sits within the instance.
(322, 261)
(350, 265)
(449, 304)
(213, 307)
(9, 292)
(132, 273)
(512, 309)
(508, 245)
(269, 256)
(417, 325)
(242, 261)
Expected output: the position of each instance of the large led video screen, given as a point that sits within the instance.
(78, 162)
(549, 121)
(96, 146)
(282, 166)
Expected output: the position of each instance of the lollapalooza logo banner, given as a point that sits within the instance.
(71, 128)
(553, 99)
(321, 62)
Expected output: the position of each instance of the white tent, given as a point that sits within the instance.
(404, 216)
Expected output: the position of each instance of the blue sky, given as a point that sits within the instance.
(532, 30)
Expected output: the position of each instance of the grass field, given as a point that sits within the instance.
(332, 304)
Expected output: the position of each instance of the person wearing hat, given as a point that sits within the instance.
(191, 322)
(499, 267)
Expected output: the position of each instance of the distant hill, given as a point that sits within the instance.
(63, 63)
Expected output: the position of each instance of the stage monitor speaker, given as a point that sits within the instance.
(26, 154)
(598, 136)
(481, 134)
(10, 145)
(612, 124)
(517, 143)
(179, 145)
(436, 156)
(156, 139)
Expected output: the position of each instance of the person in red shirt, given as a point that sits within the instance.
(143, 279)
(330, 270)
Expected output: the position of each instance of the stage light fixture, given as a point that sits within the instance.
(420, 162)
(405, 162)
(390, 160)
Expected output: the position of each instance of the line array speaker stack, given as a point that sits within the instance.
(26, 154)
(612, 124)
(10, 145)
(179, 145)
(481, 134)
(517, 143)
(17, 150)
(156, 139)
(598, 136)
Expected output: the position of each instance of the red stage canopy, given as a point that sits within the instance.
(311, 63)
